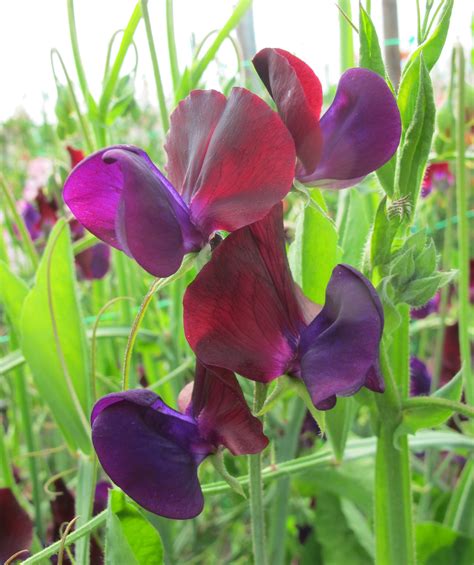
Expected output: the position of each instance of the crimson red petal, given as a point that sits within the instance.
(16, 527)
(222, 414)
(298, 96)
(241, 312)
(248, 168)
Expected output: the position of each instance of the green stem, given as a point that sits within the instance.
(257, 510)
(84, 501)
(19, 222)
(77, 56)
(393, 499)
(400, 352)
(6, 479)
(109, 87)
(279, 511)
(83, 123)
(172, 44)
(25, 411)
(434, 401)
(156, 69)
(463, 231)
(346, 41)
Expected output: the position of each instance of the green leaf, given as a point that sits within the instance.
(419, 291)
(370, 54)
(416, 140)
(130, 538)
(459, 514)
(419, 418)
(339, 543)
(356, 226)
(338, 424)
(439, 545)
(430, 51)
(13, 291)
(313, 254)
(53, 340)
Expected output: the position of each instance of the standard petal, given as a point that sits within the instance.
(298, 96)
(241, 313)
(192, 126)
(16, 528)
(150, 451)
(222, 414)
(152, 222)
(248, 168)
(361, 131)
(340, 349)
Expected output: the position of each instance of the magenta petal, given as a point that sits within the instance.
(150, 451)
(248, 166)
(16, 528)
(241, 312)
(340, 348)
(361, 131)
(222, 414)
(298, 96)
(192, 126)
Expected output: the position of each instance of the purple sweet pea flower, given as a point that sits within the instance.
(420, 378)
(16, 527)
(229, 161)
(437, 175)
(153, 452)
(243, 312)
(359, 132)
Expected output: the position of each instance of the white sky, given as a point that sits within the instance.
(308, 28)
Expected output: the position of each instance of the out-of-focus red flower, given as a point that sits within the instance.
(437, 175)
(76, 155)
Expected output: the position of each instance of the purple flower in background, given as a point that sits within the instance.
(437, 175)
(16, 527)
(359, 132)
(429, 308)
(244, 312)
(229, 161)
(420, 378)
(153, 452)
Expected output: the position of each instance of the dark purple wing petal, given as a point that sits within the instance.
(241, 313)
(192, 126)
(222, 414)
(298, 96)
(340, 348)
(361, 131)
(94, 262)
(150, 451)
(420, 378)
(248, 167)
(121, 197)
(16, 528)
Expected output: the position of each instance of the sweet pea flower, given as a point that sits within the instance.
(229, 161)
(420, 378)
(358, 133)
(16, 527)
(437, 175)
(243, 312)
(153, 452)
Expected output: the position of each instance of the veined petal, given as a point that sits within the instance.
(121, 197)
(192, 126)
(298, 96)
(241, 312)
(150, 451)
(339, 350)
(16, 527)
(222, 414)
(248, 166)
(361, 131)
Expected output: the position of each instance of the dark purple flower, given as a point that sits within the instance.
(244, 312)
(153, 452)
(437, 175)
(16, 527)
(359, 132)
(32, 219)
(429, 308)
(229, 161)
(420, 378)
